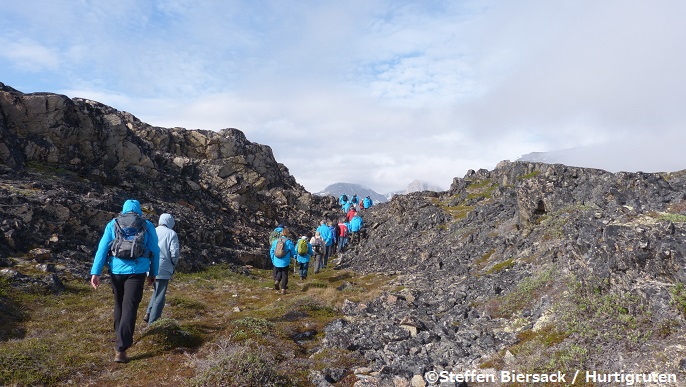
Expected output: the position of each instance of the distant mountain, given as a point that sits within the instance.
(418, 185)
(337, 189)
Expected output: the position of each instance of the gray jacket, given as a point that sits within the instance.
(169, 246)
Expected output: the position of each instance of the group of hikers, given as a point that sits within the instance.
(136, 252)
(329, 237)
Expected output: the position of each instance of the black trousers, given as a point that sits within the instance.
(128, 293)
(281, 275)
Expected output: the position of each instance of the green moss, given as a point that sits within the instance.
(676, 218)
(527, 291)
(530, 175)
(678, 293)
(497, 268)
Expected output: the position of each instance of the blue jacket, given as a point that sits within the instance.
(367, 202)
(326, 234)
(116, 265)
(285, 261)
(342, 200)
(168, 241)
(356, 223)
(304, 258)
(346, 206)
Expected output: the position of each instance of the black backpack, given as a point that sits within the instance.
(129, 237)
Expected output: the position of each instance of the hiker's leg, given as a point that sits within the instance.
(284, 277)
(133, 293)
(117, 282)
(158, 299)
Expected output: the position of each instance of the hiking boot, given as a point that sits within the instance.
(121, 357)
(283, 291)
(276, 285)
(146, 317)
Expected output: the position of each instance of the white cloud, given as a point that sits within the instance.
(28, 55)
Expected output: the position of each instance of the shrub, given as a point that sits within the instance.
(236, 365)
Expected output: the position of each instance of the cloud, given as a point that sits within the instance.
(28, 55)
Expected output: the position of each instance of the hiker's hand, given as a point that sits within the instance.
(95, 281)
(151, 280)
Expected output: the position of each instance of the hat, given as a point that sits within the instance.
(303, 237)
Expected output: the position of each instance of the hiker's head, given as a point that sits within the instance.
(166, 220)
(285, 231)
(132, 205)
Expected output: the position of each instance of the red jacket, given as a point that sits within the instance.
(350, 214)
(343, 228)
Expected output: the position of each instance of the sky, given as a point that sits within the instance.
(375, 92)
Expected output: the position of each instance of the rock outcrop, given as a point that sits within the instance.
(529, 267)
(68, 164)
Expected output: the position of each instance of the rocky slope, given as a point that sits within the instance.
(68, 164)
(529, 267)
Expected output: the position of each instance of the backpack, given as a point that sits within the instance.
(280, 250)
(274, 235)
(318, 249)
(129, 236)
(302, 247)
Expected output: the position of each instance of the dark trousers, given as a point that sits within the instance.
(303, 269)
(128, 292)
(281, 275)
(327, 254)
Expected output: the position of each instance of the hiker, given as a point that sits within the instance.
(127, 264)
(354, 201)
(347, 206)
(342, 235)
(281, 252)
(318, 247)
(334, 238)
(343, 199)
(304, 252)
(350, 214)
(367, 202)
(168, 241)
(326, 235)
(356, 224)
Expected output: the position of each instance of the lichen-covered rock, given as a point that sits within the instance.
(532, 260)
(67, 166)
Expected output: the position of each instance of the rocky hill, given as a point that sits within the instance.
(68, 164)
(529, 267)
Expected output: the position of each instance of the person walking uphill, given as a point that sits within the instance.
(304, 251)
(168, 241)
(327, 236)
(129, 249)
(281, 252)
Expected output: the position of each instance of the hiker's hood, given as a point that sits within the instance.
(132, 206)
(166, 220)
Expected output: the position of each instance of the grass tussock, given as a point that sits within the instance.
(218, 328)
